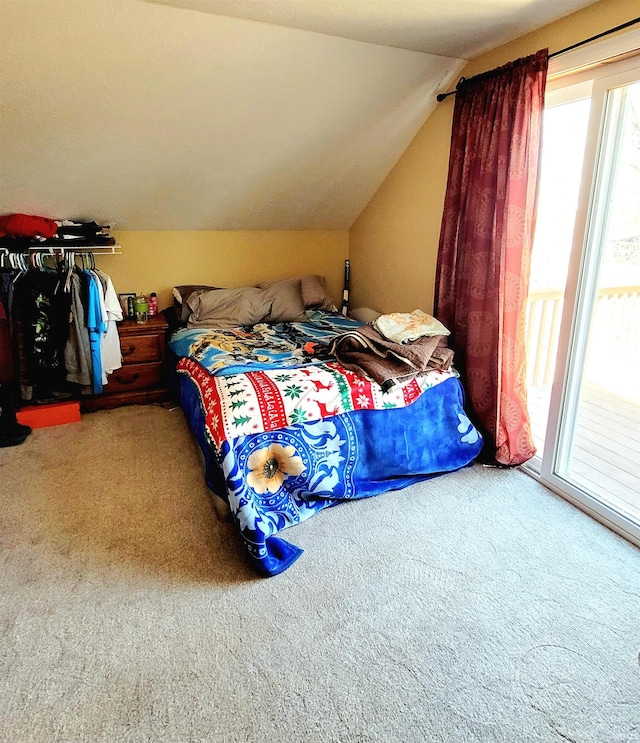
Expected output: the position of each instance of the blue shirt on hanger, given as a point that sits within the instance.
(96, 327)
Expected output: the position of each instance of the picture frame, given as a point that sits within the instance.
(124, 303)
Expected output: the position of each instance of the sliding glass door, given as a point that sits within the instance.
(584, 303)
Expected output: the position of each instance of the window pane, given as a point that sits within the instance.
(563, 145)
(603, 449)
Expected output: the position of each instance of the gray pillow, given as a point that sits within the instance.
(228, 308)
(284, 297)
(181, 296)
(314, 292)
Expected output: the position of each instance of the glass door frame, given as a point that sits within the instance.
(581, 288)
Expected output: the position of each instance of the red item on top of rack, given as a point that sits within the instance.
(25, 225)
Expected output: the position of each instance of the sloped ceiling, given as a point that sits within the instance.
(157, 117)
(452, 28)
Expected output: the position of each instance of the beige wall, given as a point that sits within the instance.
(394, 242)
(157, 261)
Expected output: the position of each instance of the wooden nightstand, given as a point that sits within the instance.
(142, 378)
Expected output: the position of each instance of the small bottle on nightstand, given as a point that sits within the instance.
(153, 304)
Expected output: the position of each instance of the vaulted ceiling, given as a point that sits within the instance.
(226, 114)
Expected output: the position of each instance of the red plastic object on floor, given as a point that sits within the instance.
(52, 414)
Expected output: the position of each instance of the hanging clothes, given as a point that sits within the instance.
(77, 352)
(105, 318)
(96, 326)
(7, 289)
(7, 360)
(57, 327)
(6, 350)
(110, 344)
(45, 311)
(12, 433)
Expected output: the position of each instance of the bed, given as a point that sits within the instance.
(287, 431)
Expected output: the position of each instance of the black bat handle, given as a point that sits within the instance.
(345, 289)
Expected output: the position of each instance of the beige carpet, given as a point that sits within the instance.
(474, 607)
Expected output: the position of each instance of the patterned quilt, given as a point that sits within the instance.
(283, 441)
(253, 402)
(283, 345)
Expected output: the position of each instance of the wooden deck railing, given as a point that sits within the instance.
(616, 322)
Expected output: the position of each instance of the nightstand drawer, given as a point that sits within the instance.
(139, 348)
(134, 377)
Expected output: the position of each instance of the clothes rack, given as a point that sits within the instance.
(60, 319)
(54, 251)
(61, 250)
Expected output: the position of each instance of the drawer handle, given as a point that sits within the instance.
(127, 380)
(128, 351)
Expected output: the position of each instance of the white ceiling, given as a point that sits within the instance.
(452, 28)
(257, 115)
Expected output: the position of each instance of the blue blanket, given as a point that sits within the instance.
(352, 455)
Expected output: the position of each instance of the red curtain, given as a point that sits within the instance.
(482, 276)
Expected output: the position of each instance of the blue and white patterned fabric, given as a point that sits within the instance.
(250, 348)
(275, 479)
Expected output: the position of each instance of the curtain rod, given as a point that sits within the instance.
(441, 96)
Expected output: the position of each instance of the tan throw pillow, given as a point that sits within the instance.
(284, 298)
(181, 296)
(228, 308)
(314, 292)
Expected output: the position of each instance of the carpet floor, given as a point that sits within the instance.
(474, 607)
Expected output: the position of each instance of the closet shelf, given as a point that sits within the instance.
(61, 249)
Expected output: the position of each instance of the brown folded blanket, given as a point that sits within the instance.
(366, 351)
(441, 358)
